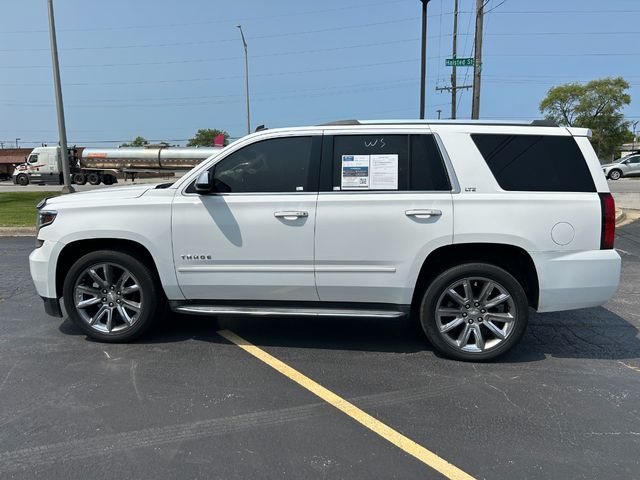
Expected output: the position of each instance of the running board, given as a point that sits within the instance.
(285, 311)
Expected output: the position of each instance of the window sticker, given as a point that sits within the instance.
(384, 172)
(355, 172)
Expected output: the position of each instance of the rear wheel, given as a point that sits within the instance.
(93, 178)
(474, 312)
(79, 179)
(22, 179)
(108, 179)
(615, 174)
(111, 296)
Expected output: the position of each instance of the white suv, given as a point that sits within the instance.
(464, 225)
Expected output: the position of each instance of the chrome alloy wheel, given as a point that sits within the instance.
(108, 297)
(475, 314)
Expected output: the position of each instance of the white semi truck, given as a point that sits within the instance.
(102, 165)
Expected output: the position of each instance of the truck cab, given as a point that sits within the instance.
(41, 166)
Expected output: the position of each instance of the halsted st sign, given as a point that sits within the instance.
(459, 62)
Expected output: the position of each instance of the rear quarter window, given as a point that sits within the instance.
(538, 163)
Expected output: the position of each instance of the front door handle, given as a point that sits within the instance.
(291, 215)
(423, 213)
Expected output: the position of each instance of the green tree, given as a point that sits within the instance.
(136, 142)
(596, 105)
(204, 137)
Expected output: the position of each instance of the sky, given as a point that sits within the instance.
(164, 69)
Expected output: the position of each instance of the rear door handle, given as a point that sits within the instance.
(423, 213)
(291, 215)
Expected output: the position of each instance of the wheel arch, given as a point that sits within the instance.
(514, 260)
(76, 249)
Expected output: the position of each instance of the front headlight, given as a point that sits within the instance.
(45, 217)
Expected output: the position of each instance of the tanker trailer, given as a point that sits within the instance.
(101, 165)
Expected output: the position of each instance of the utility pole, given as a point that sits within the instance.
(439, 112)
(454, 93)
(17, 142)
(423, 64)
(477, 66)
(246, 76)
(62, 130)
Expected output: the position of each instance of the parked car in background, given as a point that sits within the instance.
(464, 225)
(625, 167)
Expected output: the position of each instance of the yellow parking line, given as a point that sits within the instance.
(412, 448)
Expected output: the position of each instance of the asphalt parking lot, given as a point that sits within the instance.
(186, 403)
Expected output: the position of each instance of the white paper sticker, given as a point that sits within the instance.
(355, 172)
(384, 172)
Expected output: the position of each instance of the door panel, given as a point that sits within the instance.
(249, 253)
(370, 246)
(253, 239)
(371, 240)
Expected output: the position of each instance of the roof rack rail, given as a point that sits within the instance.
(545, 122)
(534, 123)
(340, 122)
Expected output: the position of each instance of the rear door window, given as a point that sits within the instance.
(538, 163)
(388, 162)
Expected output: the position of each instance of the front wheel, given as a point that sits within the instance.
(22, 179)
(474, 312)
(615, 174)
(111, 296)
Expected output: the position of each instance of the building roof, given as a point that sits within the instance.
(14, 155)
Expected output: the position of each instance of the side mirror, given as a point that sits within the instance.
(204, 183)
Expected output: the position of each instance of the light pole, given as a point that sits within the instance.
(439, 112)
(633, 144)
(423, 57)
(17, 142)
(62, 130)
(246, 76)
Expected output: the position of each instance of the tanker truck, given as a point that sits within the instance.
(102, 165)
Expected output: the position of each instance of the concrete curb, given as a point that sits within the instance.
(620, 216)
(17, 231)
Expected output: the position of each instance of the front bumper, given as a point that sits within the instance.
(42, 268)
(570, 280)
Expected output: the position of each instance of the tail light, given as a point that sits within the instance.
(608, 232)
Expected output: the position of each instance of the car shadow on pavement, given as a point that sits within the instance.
(595, 333)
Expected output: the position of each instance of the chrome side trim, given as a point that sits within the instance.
(352, 269)
(287, 269)
(245, 269)
(284, 311)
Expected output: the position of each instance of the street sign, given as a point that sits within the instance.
(459, 62)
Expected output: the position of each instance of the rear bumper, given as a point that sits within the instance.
(576, 280)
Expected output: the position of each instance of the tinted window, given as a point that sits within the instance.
(540, 163)
(33, 158)
(634, 160)
(274, 165)
(388, 162)
(427, 167)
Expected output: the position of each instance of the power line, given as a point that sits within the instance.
(219, 59)
(209, 22)
(208, 42)
(355, 89)
(207, 79)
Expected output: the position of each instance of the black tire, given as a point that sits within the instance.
(615, 174)
(151, 299)
(93, 178)
(108, 179)
(79, 178)
(478, 273)
(22, 179)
